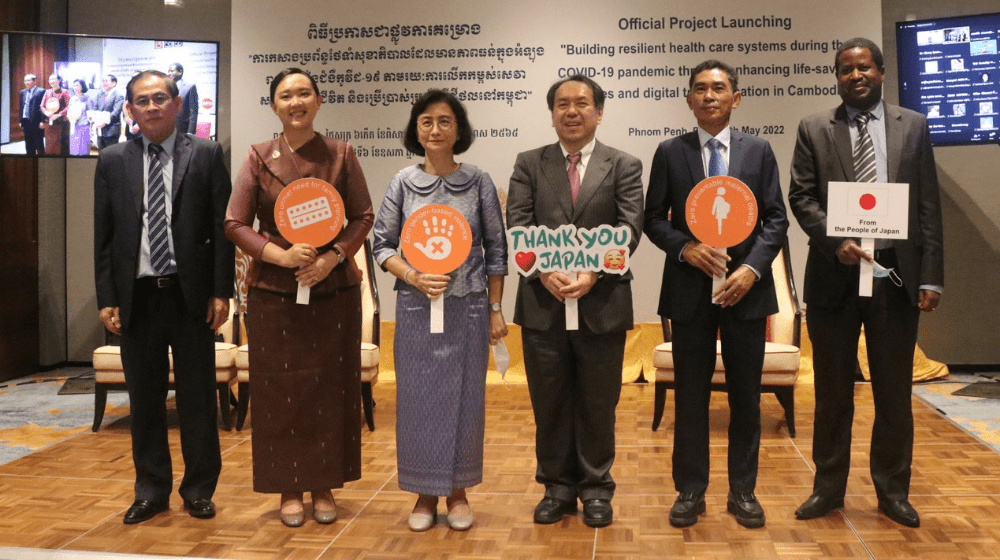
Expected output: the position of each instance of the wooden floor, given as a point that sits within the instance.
(72, 496)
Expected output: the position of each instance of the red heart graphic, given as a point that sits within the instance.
(525, 260)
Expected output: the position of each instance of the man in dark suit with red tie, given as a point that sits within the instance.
(745, 299)
(574, 376)
(31, 116)
(865, 140)
(164, 275)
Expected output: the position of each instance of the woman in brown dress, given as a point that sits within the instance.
(305, 360)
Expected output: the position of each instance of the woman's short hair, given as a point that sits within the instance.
(83, 85)
(288, 72)
(464, 128)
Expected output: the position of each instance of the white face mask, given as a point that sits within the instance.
(879, 271)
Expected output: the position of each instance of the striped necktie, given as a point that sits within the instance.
(864, 152)
(159, 245)
(716, 165)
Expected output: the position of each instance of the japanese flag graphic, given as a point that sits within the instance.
(868, 201)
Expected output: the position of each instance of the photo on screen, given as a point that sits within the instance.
(63, 95)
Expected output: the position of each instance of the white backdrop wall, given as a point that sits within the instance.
(374, 58)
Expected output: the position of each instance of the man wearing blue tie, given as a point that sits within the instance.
(745, 299)
(164, 274)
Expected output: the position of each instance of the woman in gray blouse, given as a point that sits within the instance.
(441, 378)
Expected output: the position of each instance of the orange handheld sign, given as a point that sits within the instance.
(721, 211)
(436, 239)
(309, 211)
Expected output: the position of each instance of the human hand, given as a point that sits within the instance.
(554, 282)
(850, 253)
(498, 326)
(929, 300)
(706, 258)
(111, 319)
(298, 256)
(432, 285)
(313, 274)
(581, 286)
(218, 312)
(735, 287)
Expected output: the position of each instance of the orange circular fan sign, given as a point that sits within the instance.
(309, 211)
(721, 211)
(436, 239)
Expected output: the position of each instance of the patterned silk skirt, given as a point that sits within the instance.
(305, 386)
(440, 393)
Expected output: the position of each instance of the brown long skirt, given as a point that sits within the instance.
(305, 382)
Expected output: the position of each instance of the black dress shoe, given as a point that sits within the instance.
(818, 505)
(597, 512)
(686, 509)
(900, 511)
(746, 508)
(144, 510)
(202, 508)
(552, 510)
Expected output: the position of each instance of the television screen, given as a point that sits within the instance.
(63, 95)
(949, 70)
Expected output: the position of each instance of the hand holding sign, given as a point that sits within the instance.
(436, 240)
(721, 212)
(569, 259)
(309, 213)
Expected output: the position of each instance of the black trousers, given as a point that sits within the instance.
(159, 321)
(694, 352)
(890, 321)
(575, 380)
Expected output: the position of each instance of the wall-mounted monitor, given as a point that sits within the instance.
(949, 70)
(73, 105)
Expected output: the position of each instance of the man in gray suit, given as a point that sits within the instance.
(111, 101)
(574, 376)
(865, 139)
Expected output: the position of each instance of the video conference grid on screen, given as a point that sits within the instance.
(949, 70)
(90, 59)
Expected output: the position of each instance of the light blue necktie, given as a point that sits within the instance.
(716, 164)
(159, 246)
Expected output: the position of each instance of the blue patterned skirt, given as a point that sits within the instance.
(440, 393)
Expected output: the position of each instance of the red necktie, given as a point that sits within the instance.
(574, 176)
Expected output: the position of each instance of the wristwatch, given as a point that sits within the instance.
(495, 307)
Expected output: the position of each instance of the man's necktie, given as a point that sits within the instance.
(574, 176)
(864, 152)
(159, 197)
(716, 165)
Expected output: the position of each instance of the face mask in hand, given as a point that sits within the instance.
(879, 271)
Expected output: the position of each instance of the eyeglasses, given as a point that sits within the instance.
(158, 99)
(442, 124)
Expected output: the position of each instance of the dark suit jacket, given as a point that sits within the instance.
(610, 193)
(822, 154)
(205, 258)
(112, 103)
(33, 98)
(187, 118)
(677, 168)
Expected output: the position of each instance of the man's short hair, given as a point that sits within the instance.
(594, 88)
(178, 66)
(114, 80)
(860, 43)
(712, 64)
(171, 84)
